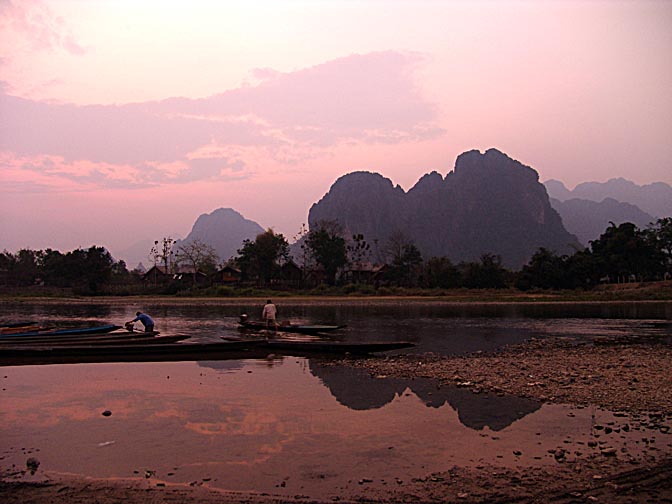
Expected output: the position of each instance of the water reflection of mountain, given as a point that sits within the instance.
(222, 365)
(356, 389)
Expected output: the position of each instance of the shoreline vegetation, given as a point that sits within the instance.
(331, 264)
(634, 291)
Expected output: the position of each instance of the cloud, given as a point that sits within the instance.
(37, 26)
(286, 118)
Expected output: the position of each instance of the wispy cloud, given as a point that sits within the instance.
(37, 26)
(285, 118)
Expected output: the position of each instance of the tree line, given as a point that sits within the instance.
(86, 270)
(622, 253)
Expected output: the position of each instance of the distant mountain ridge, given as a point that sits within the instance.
(225, 230)
(654, 199)
(489, 203)
(587, 220)
(137, 256)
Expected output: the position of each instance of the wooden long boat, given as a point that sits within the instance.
(340, 347)
(17, 324)
(122, 339)
(224, 350)
(65, 332)
(74, 338)
(293, 328)
(19, 327)
(110, 351)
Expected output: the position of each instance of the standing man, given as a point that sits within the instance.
(268, 314)
(145, 320)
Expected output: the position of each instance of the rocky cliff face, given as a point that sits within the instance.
(489, 203)
(225, 230)
(362, 202)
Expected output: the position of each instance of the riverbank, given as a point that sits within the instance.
(630, 378)
(634, 291)
(613, 374)
(599, 481)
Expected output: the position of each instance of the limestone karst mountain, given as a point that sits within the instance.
(489, 203)
(225, 230)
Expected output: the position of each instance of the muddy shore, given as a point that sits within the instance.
(633, 380)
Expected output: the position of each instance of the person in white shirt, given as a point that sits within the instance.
(268, 314)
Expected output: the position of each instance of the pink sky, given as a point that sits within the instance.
(123, 121)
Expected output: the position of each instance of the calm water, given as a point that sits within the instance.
(297, 426)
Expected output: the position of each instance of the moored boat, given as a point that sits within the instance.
(224, 350)
(288, 327)
(20, 330)
(65, 332)
(17, 325)
(79, 339)
(336, 346)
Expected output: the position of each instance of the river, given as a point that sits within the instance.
(292, 425)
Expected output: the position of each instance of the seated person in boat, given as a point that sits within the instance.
(268, 314)
(144, 319)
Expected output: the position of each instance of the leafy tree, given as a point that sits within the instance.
(660, 235)
(581, 270)
(486, 274)
(52, 265)
(545, 270)
(624, 250)
(197, 254)
(6, 265)
(440, 272)
(25, 271)
(261, 258)
(404, 269)
(119, 272)
(404, 259)
(328, 247)
(96, 267)
(88, 269)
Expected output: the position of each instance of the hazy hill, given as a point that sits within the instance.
(489, 203)
(225, 230)
(138, 253)
(654, 199)
(588, 219)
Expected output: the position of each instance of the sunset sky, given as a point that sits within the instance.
(124, 120)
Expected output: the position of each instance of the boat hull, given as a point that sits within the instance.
(128, 339)
(302, 329)
(65, 332)
(225, 350)
(75, 338)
